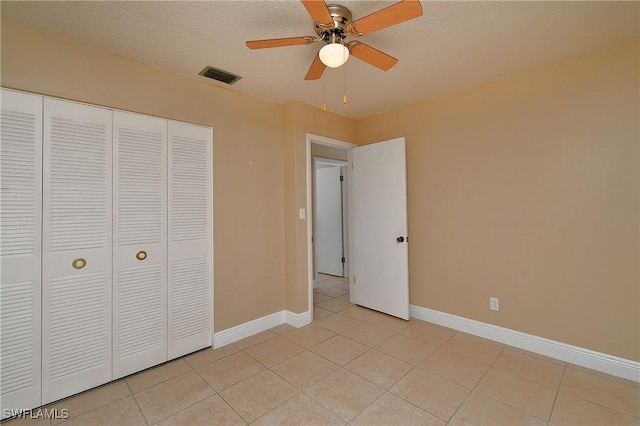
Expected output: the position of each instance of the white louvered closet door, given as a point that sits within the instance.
(20, 249)
(140, 242)
(190, 222)
(77, 248)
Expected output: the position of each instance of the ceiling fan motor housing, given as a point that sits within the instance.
(341, 19)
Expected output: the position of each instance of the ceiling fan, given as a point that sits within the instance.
(333, 23)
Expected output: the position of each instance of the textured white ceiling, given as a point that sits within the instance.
(453, 46)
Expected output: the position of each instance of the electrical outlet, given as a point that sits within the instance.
(494, 303)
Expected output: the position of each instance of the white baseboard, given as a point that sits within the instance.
(258, 325)
(247, 329)
(298, 320)
(587, 358)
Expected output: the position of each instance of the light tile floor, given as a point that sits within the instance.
(357, 366)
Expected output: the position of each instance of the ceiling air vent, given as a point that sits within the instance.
(220, 75)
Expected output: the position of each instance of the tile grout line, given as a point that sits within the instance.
(179, 375)
(527, 379)
(530, 380)
(596, 402)
(268, 367)
(189, 406)
(448, 380)
(131, 376)
(511, 406)
(599, 404)
(253, 375)
(140, 408)
(215, 360)
(553, 406)
(315, 344)
(215, 392)
(299, 391)
(398, 396)
(231, 406)
(137, 404)
(320, 402)
(476, 385)
(277, 406)
(86, 392)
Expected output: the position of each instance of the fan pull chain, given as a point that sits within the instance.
(324, 96)
(344, 82)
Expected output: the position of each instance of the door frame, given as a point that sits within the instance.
(336, 143)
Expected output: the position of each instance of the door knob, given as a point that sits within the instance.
(79, 263)
(400, 239)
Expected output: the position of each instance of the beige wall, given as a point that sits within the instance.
(248, 153)
(527, 189)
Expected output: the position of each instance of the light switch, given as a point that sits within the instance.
(303, 214)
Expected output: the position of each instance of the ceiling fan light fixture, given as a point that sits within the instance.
(334, 55)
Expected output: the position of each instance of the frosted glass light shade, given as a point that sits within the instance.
(334, 55)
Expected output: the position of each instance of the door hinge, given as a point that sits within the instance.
(341, 178)
(344, 260)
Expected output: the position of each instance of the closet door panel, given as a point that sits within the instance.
(77, 250)
(190, 229)
(140, 243)
(20, 250)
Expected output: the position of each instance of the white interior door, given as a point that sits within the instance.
(140, 242)
(190, 238)
(20, 250)
(76, 279)
(379, 217)
(329, 221)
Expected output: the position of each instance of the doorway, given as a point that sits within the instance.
(330, 236)
(377, 231)
(330, 227)
(330, 153)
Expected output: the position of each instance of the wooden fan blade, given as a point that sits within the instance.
(318, 11)
(371, 56)
(392, 15)
(316, 69)
(279, 42)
